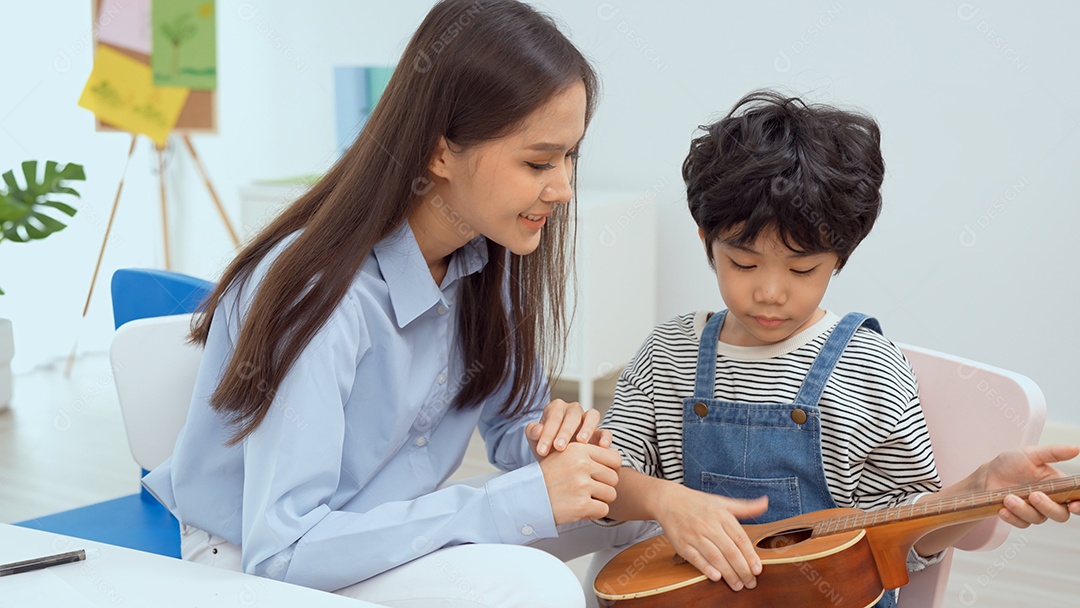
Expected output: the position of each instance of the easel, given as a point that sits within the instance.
(160, 151)
(164, 208)
(198, 115)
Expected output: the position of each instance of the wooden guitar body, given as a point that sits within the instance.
(797, 570)
(835, 557)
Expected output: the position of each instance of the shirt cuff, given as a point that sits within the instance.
(916, 562)
(631, 463)
(520, 505)
(607, 522)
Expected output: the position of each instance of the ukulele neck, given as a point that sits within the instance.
(949, 511)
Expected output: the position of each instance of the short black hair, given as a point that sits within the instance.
(813, 173)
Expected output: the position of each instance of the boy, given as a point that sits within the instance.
(776, 407)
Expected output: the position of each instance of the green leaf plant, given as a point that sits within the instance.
(30, 212)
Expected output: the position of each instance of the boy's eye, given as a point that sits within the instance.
(739, 266)
(804, 272)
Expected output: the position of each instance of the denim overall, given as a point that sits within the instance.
(747, 450)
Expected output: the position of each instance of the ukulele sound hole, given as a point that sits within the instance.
(785, 539)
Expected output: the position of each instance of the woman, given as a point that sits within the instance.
(411, 295)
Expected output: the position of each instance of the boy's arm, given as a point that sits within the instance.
(703, 528)
(1015, 467)
(631, 418)
(901, 468)
(640, 497)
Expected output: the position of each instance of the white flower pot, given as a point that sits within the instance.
(7, 351)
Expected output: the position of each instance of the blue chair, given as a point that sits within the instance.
(139, 293)
(137, 521)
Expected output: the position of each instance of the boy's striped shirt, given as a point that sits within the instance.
(875, 446)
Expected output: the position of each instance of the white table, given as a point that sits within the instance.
(124, 577)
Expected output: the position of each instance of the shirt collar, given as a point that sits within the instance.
(408, 279)
(470, 258)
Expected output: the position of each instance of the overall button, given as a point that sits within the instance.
(701, 409)
(798, 415)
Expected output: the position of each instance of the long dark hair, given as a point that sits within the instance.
(472, 72)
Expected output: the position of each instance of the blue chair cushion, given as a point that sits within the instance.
(140, 293)
(136, 522)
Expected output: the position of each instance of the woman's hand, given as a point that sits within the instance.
(1025, 466)
(581, 480)
(562, 423)
(580, 468)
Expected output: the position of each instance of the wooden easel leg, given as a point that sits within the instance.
(164, 206)
(210, 187)
(108, 226)
(101, 253)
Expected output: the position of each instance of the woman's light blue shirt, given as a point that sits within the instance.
(340, 480)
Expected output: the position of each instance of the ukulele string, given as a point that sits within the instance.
(857, 521)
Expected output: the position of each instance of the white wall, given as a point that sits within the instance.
(978, 103)
(275, 120)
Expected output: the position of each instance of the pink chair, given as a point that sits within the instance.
(973, 411)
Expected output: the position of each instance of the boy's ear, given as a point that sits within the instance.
(442, 159)
(701, 235)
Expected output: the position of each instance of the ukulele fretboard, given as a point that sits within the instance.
(1067, 487)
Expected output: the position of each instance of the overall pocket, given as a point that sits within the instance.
(783, 493)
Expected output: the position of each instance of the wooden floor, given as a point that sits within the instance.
(62, 445)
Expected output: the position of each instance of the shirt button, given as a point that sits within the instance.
(441, 379)
(441, 309)
(527, 530)
(421, 442)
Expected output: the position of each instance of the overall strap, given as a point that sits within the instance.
(814, 384)
(705, 385)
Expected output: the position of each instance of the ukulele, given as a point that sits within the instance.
(835, 557)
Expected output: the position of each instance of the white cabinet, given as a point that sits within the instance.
(615, 295)
(616, 285)
(7, 353)
(263, 201)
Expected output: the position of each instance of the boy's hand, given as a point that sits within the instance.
(562, 423)
(1030, 465)
(705, 530)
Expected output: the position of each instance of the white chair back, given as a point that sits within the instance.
(154, 369)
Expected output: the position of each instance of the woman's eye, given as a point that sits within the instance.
(571, 156)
